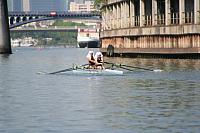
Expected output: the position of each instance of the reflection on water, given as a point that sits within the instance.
(140, 101)
(4, 58)
(166, 64)
(147, 106)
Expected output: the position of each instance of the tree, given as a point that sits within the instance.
(99, 3)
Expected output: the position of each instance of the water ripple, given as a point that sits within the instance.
(141, 101)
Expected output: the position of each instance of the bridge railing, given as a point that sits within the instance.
(51, 13)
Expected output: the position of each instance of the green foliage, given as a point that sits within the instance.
(61, 23)
(99, 4)
(58, 38)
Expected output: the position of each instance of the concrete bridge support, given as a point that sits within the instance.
(5, 44)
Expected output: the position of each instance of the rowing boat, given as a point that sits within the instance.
(98, 71)
(83, 69)
(87, 71)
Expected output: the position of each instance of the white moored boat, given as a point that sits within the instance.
(98, 71)
(88, 38)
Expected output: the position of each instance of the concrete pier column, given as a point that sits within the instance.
(196, 11)
(142, 13)
(109, 18)
(118, 16)
(103, 21)
(154, 12)
(125, 14)
(114, 17)
(122, 14)
(167, 12)
(132, 13)
(181, 11)
(5, 44)
(106, 18)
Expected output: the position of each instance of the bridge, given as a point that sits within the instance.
(20, 18)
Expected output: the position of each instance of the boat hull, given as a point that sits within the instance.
(89, 44)
(98, 71)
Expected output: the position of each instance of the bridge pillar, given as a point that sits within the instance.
(5, 44)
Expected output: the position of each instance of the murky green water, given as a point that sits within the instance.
(141, 101)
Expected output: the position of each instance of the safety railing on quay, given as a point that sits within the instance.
(174, 18)
(189, 17)
(161, 19)
(136, 21)
(148, 20)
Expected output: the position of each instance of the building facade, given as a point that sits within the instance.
(18, 5)
(168, 27)
(79, 1)
(26, 5)
(85, 7)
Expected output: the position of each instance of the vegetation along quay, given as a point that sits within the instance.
(155, 28)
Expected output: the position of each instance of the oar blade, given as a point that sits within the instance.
(69, 69)
(135, 67)
(60, 71)
(42, 73)
(157, 70)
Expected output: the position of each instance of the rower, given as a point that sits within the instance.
(99, 60)
(91, 60)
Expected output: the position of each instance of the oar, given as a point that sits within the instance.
(64, 70)
(126, 68)
(69, 69)
(108, 62)
(120, 65)
(155, 70)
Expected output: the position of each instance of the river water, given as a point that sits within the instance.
(139, 102)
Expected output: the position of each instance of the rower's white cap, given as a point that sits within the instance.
(90, 52)
(99, 54)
